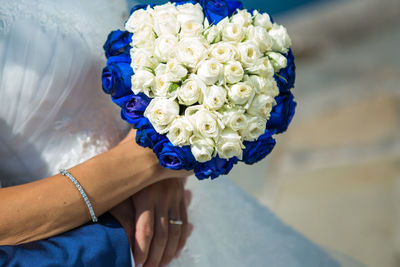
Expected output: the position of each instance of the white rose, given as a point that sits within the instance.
(168, 8)
(262, 20)
(176, 70)
(229, 144)
(202, 148)
(233, 32)
(242, 18)
(161, 84)
(233, 72)
(280, 38)
(249, 53)
(210, 71)
(212, 34)
(240, 93)
(234, 119)
(223, 52)
(164, 46)
(144, 38)
(190, 12)
(161, 112)
(161, 69)
(278, 60)
(191, 28)
(165, 20)
(262, 67)
(221, 25)
(215, 97)
(138, 19)
(206, 23)
(191, 90)
(180, 131)
(142, 58)
(261, 106)
(205, 122)
(262, 85)
(191, 51)
(142, 81)
(255, 127)
(260, 37)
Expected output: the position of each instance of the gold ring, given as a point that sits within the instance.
(175, 222)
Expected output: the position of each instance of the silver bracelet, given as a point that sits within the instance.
(80, 189)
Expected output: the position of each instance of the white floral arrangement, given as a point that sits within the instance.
(212, 87)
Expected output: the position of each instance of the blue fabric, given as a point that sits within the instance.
(100, 244)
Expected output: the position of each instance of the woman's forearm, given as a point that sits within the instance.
(53, 205)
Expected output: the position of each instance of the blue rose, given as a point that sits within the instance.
(118, 42)
(146, 136)
(287, 76)
(215, 10)
(214, 168)
(174, 157)
(282, 113)
(133, 109)
(121, 101)
(116, 79)
(123, 58)
(233, 6)
(259, 149)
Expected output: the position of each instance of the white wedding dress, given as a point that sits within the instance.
(53, 114)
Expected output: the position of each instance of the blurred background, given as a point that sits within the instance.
(334, 175)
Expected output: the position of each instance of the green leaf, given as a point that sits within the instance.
(149, 70)
(173, 87)
(281, 77)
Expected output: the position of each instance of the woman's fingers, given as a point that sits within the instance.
(124, 213)
(159, 239)
(188, 197)
(156, 240)
(144, 233)
(174, 234)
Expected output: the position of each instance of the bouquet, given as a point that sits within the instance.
(206, 84)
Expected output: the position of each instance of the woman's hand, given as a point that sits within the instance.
(157, 241)
(145, 219)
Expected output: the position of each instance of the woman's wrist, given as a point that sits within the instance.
(153, 170)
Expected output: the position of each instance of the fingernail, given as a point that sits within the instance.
(178, 253)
